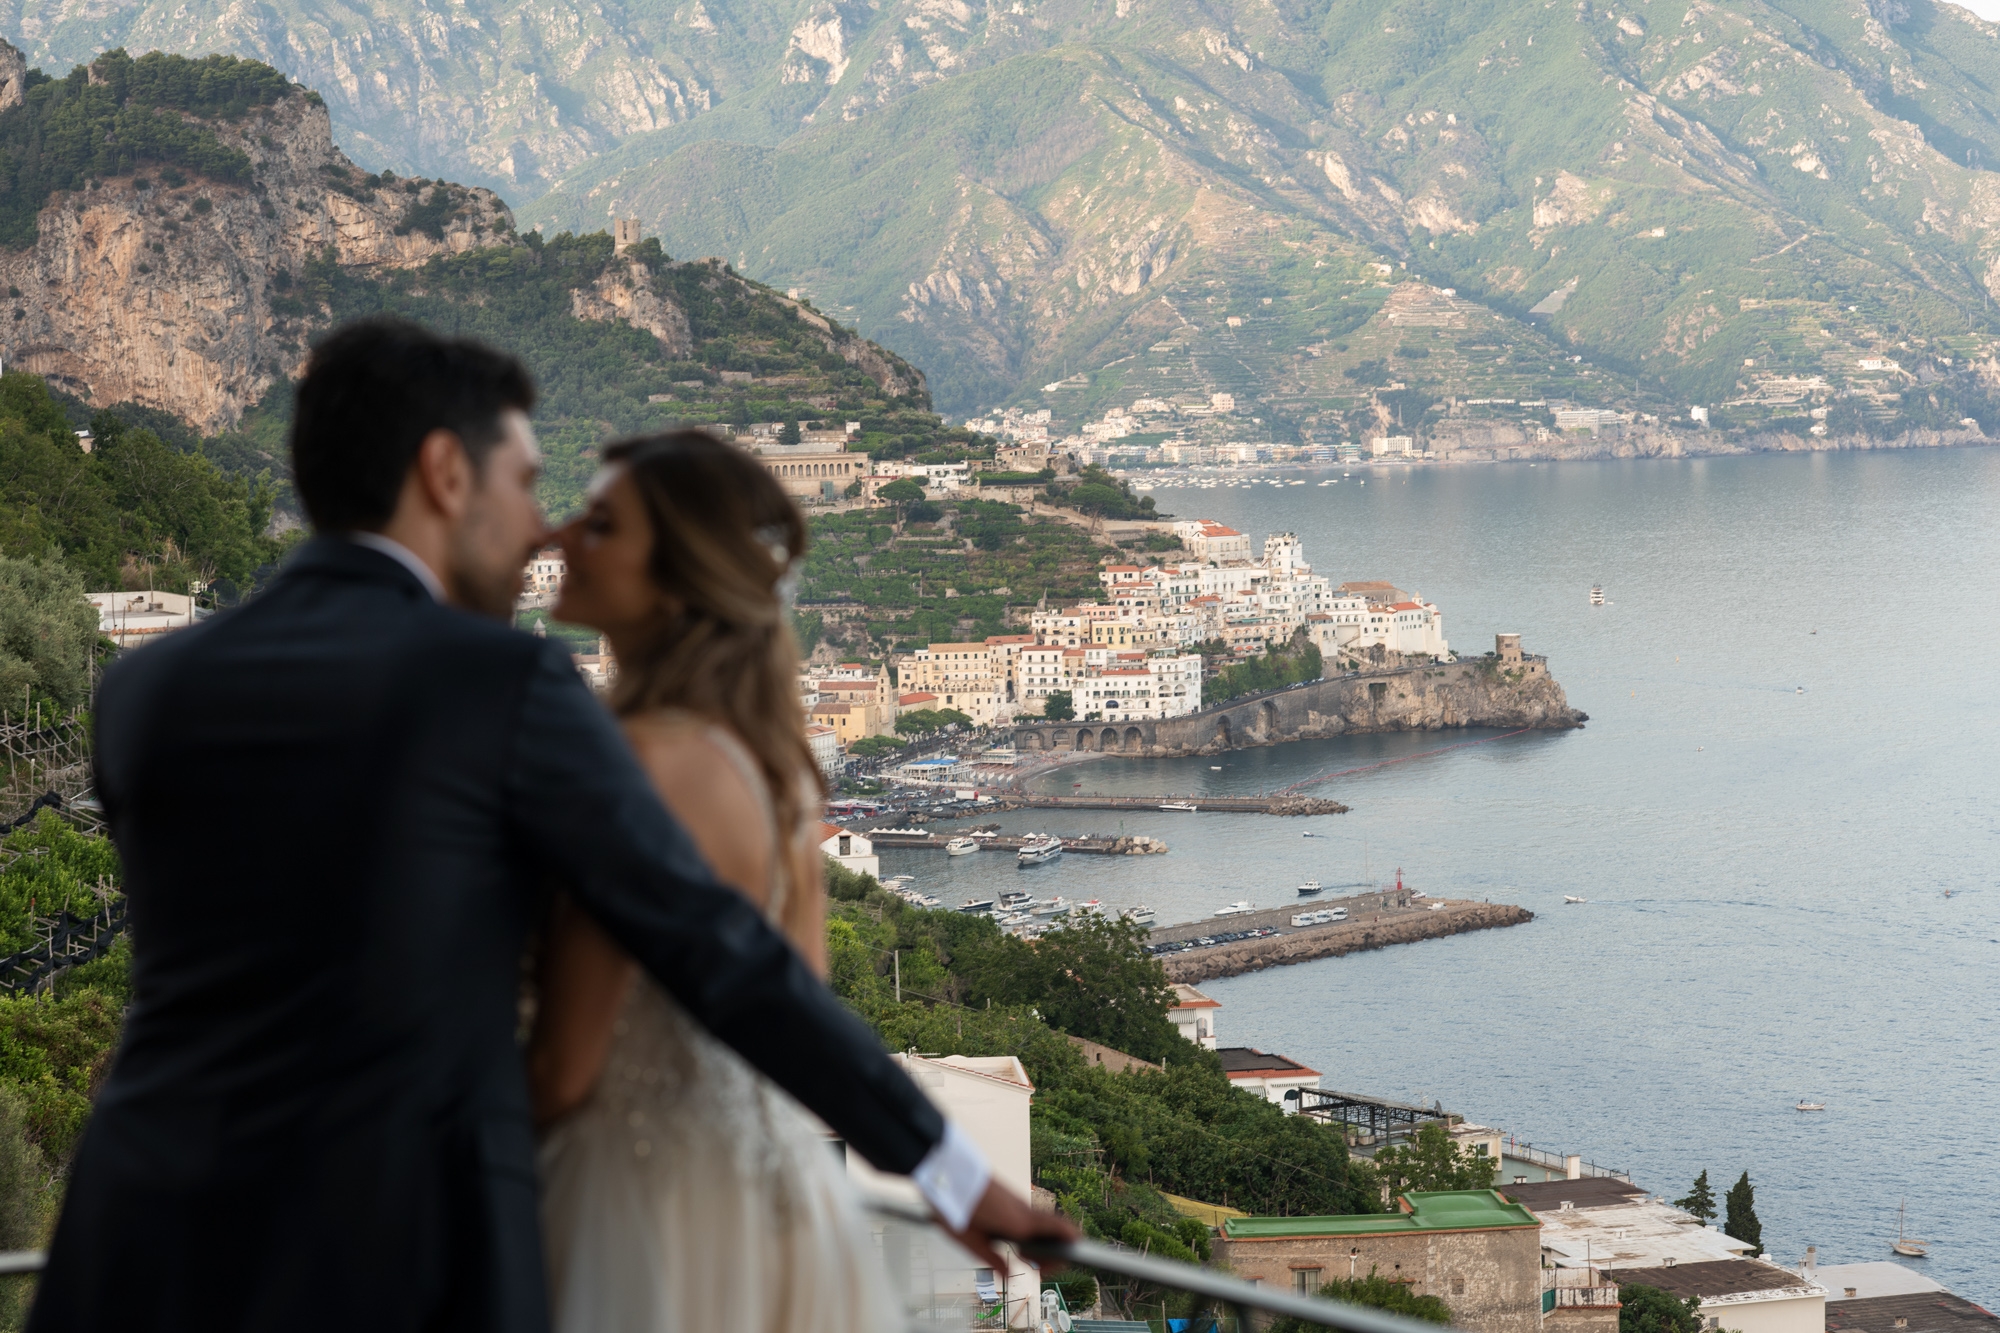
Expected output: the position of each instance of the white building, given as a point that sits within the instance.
(825, 744)
(129, 619)
(1193, 1015)
(545, 572)
(987, 1097)
(1641, 1240)
(1214, 543)
(1269, 1076)
(1135, 686)
(852, 850)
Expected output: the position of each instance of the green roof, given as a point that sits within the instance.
(1441, 1210)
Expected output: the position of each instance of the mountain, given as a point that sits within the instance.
(499, 93)
(1277, 199)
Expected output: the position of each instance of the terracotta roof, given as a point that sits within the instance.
(916, 698)
(1187, 997)
(827, 831)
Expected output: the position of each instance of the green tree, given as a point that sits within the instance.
(1700, 1201)
(1061, 706)
(901, 492)
(48, 635)
(789, 433)
(1432, 1161)
(1741, 1218)
(51, 868)
(1092, 978)
(1376, 1292)
(1651, 1310)
(870, 746)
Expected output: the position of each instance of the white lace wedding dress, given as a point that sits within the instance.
(691, 1195)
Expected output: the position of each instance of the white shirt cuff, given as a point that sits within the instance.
(953, 1176)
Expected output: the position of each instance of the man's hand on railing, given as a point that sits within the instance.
(1002, 1214)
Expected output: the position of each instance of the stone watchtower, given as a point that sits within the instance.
(624, 235)
(1507, 647)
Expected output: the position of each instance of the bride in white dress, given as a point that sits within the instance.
(682, 1190)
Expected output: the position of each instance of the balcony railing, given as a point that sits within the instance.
(939, 1285)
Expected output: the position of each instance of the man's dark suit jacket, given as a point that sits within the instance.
(340, 809)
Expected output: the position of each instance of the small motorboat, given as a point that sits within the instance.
(1596, 595)
(1095, 907)
(1235, 909)
(1810, 1106)
(1014, 898)
(1180, 807)
(975, 906)
(1309, 888)
(1215, 768)
(961, 847)
(1056, 906)
(894, 880)
(1038, 850)
(1568, 898)
(1139, 916)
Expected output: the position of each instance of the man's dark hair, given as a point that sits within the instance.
(372, 392)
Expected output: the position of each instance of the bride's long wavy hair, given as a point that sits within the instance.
(726, 539)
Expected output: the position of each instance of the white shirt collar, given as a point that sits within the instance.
(403, 556)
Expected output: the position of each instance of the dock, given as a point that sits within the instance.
(1374, 921)
(1279, 803)
(1011, 843)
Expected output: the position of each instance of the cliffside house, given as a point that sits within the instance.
(825, 744)
(1610, 1225)
(987, 1096)
(129, 619)
(852, 850)
(1884, 1297)
(1269, 1076)
(1472, 1249)
(1193, 1015)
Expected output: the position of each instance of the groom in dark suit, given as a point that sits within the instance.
(341, 809)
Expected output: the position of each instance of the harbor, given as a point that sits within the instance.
(1277, 803)
(983, 841)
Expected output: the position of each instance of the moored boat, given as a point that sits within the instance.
(961, 847)
(1905, 1244)
(1056, 906)
(1140, 915)
(1235, 908)
(974, 906)
(1038, 850)
(1180, 807)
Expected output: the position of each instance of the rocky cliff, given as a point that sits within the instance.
(170, 289)
(1475, 692)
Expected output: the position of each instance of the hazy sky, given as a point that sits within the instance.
(1986, 9)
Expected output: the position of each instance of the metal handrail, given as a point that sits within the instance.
(1230, 1291)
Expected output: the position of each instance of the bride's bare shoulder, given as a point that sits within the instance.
(704, 784)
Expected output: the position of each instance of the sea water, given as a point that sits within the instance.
(1783, 813)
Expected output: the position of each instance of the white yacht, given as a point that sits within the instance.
(1309, 888)
(1235, 909)
(1179, 807)
(1596, 594)
(1015, 899)
(961, 847)
(1569, 899)
(1056, 906)
(1038, 850)
(1140, 915)
(976, 906)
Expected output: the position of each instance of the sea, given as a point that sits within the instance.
(1784, 814)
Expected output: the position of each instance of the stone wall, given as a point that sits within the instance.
(1490, 1277)
(1473, 693)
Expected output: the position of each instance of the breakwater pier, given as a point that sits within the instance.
(1375, 920)
(1278, 803)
